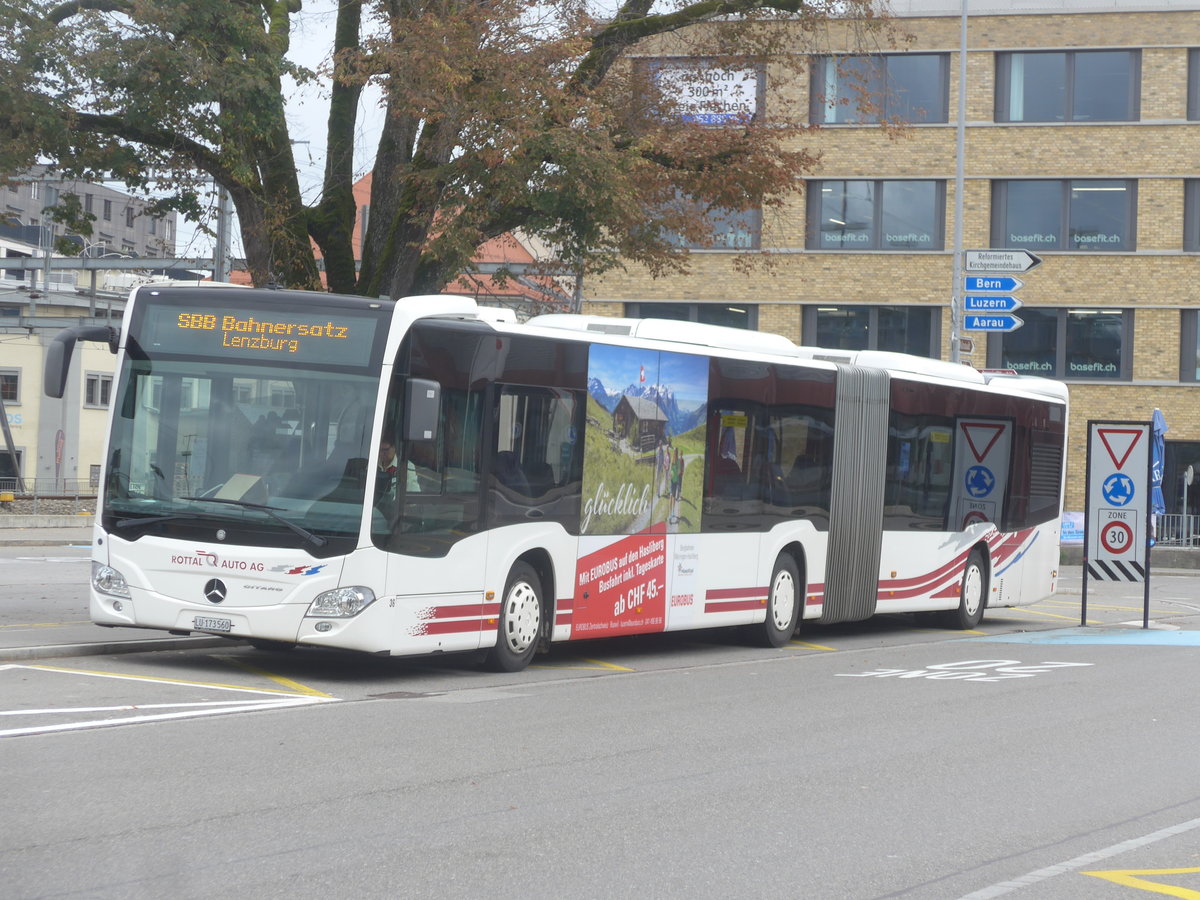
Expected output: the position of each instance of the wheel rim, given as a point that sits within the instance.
(783, 600)
(522, 614)
(972, 590)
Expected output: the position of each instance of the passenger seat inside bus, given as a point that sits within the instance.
(508, 472)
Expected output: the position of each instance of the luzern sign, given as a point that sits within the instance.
(1116, 527)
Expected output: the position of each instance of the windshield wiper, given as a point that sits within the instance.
(148, 520)
(316, 539)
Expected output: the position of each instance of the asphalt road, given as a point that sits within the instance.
(882, 759)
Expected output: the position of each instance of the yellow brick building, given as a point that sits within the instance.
(1082, 145)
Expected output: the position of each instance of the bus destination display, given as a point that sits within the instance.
(297, 337)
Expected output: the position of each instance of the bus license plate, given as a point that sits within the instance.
(207, 623)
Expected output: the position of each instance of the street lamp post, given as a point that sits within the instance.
(959, 178)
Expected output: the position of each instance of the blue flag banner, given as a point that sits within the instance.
(1158, 428)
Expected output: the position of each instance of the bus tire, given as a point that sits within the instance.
(972, 595)
(784, 596)
(520, 621)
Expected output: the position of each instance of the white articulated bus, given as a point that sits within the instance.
(428, 476)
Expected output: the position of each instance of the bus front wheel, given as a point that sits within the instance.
(784, 597)
(973, 594)
(520, 621)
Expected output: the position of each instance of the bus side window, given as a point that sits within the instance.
(535, 460)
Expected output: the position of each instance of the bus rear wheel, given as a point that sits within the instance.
(784, 597)
(520, 621)
(972, 595)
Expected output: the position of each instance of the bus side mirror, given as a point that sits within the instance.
(422, 406)
(58, 354)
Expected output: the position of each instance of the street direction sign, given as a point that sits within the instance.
(992, 322)
(996, 303)
(1001, 260)
(992, 283)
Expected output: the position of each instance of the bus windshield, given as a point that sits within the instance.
(269, 445)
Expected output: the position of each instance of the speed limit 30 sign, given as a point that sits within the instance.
(1116, 535)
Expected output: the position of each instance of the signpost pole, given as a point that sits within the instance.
(960, 132)
(1149, 524)
(1087, 524)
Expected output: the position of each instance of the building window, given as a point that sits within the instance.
(97, 389)
(908, 87)
(709, 93)
(1071, 86)
(35, 190)
(10, 385)
(876, 215)
(1191, 214)
(129, 217)
(107, 210)
(94, 476)
(730, 229)
(9, 473)
(1064, 215)
(1068, 343)
(901, 329)
(88, 202)
(743, 315)
(1193, 107)
(1189, 345)
(152, 226)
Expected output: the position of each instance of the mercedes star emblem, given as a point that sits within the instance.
(214, 590)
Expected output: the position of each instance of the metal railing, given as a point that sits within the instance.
(48, 487)
(1177, 530)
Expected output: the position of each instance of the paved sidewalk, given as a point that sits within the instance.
(78, 536)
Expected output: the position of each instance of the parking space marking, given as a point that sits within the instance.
(1129, 635)
(592, 664)
(1127, 878)
(1071, 865)
(287, 683)
(155, 679)
(261, 699)
(809, 646)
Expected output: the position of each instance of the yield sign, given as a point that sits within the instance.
(1119, 442)
(982, 434)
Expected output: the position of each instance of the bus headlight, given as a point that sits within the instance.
(341, 603)
(108, 580)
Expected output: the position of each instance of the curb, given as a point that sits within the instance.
(49, 651)
(35, 542)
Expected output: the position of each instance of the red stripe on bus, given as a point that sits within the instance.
(735, 605)
(734, 593)
(476, 610)
(458, 626)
